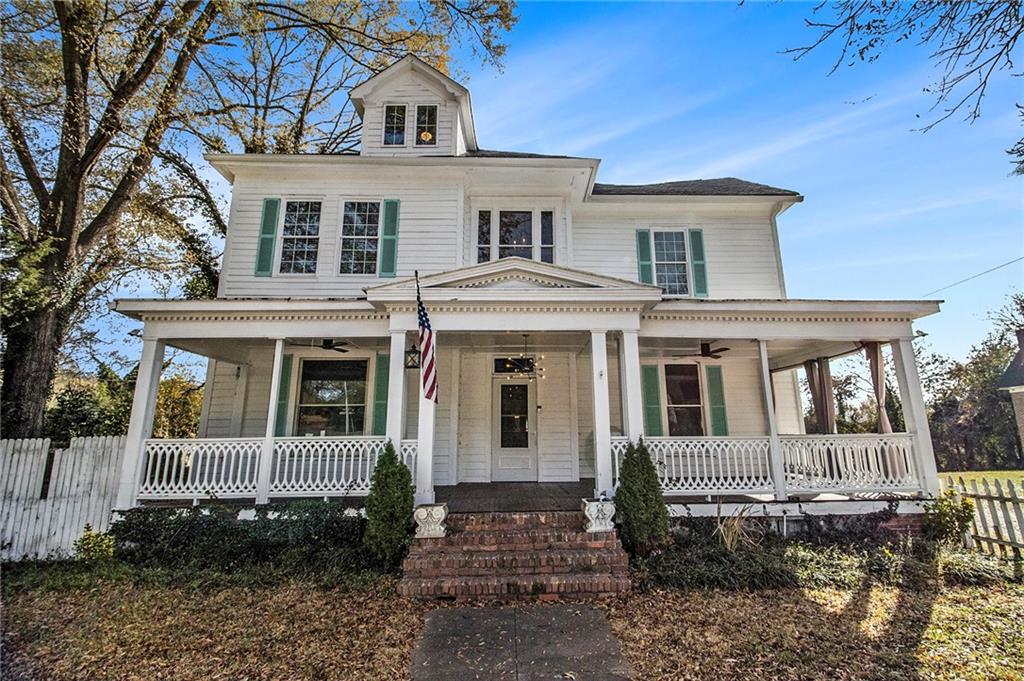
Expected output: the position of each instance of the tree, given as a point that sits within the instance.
(969, 42)
(97, 100)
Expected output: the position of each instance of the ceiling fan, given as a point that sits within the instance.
(706, 351)
(326, 344)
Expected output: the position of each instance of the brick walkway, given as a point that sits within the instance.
(527, 643)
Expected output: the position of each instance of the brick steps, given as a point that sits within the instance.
(539, 555)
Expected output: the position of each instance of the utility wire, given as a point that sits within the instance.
(973, 276)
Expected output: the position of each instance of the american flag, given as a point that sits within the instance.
(428, 367)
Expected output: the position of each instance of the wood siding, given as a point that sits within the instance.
(410, 90)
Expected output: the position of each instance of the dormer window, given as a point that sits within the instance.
(426, 125)
(394, 125)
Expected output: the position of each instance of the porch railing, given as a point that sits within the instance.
(850, 463)
(705, 465)
(229, 467)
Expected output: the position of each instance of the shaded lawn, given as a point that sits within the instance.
(876, 632)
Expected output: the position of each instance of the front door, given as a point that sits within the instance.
(514, 439)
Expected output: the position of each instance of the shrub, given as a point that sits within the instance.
(93, 546)
(948, 518)
(970, 568)
(863, 529)
(639, 508)
(389, 508)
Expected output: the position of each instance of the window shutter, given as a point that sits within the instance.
(268, 229)
(651, 387)
(282, 396)
(700, 271)
(380, 393)
(716, 400)
(645, 265)
(389, 239)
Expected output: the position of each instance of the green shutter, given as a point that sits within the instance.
(652, 400)
(268, 229)
(282, 396)
(716, 400)
(700, 270)
(380, 394)
(645, 266)
(389, 240)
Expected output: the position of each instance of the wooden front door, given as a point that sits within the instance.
(514, 431)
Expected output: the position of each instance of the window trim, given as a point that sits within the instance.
(533, 206)
(340, 236)
(384, 124)
(705, 421)
(280, 237)
(301, 355)
(416, 125)
(685, 231)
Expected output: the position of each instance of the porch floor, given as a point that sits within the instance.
(483, 497)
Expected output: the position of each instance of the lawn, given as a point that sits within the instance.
(127, 628)
(1016, 476)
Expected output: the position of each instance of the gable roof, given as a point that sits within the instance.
(723, 186)
(1013, 377)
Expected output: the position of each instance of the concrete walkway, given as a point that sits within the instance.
(527, 643)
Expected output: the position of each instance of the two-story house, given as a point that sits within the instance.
(571, 316)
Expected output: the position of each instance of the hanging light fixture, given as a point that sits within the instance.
(412, 357)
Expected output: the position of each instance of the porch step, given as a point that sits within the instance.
(543, 555)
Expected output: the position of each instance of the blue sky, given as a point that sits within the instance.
(677, 91)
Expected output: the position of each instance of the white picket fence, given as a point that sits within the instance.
(82, 490)
(998, 525)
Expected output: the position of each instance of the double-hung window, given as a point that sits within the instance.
(515, 233)
(683, 403)
(360, 237)
(670, 262)
(394, 125)
(300, 237)
(332, 397)
(426, 125)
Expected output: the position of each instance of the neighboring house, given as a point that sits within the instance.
(571, 316)
(1012, 381)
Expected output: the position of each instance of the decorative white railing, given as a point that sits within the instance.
(229, 467)
(705, 465)
(329, 466)
(200, 468)
(849, 463)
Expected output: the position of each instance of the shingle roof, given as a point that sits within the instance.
(494, 153)
(1014, 374)
(723, 186)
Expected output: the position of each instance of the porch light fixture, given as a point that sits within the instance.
(412, 357)
(523, 366)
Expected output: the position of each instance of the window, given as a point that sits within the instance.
(483, 236)
(670, 263)
(426, 125)
(300, 237)
(394, 125)
(332, 397)
(515, 234)
(515, 365)
(547, 236)
(682, 400)
(360, 231)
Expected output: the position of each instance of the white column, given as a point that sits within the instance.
(602, 419)
(914, 413)
(633, 409)
(396, 390)
(774, 443)
(267, 452)
(140, 425)
(425, 444)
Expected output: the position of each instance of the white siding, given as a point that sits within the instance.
(409, 89)
(475, 419)
(221, 399)
(744, 401)
(788, 407)
(556, 438)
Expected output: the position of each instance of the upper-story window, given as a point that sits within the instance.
(360, 235)
(670, 263)
(426, 125)
(300, 237)
(515, 233)
(394, 125)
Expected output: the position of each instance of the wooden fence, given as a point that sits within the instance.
(44, 510)
(998, 526)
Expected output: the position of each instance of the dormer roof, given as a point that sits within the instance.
(412, 63)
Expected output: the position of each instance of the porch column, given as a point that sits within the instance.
(267, 452)
(633, 409)
(602, 419)
(140, 425)
(425, 445)
(777, 465)
(393, 429)
(914, 413)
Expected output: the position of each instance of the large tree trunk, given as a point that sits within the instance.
(29, 365)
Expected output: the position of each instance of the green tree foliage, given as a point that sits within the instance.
(639, 507)
(389, 508)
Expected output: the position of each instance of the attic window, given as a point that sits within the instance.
(394, 125)
(426, 125)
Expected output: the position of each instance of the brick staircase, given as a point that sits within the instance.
(543, 555)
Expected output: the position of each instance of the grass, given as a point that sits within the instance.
(1016, 476)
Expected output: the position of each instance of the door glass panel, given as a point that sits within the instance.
(515, 416)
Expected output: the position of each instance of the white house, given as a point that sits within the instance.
(571, 316)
